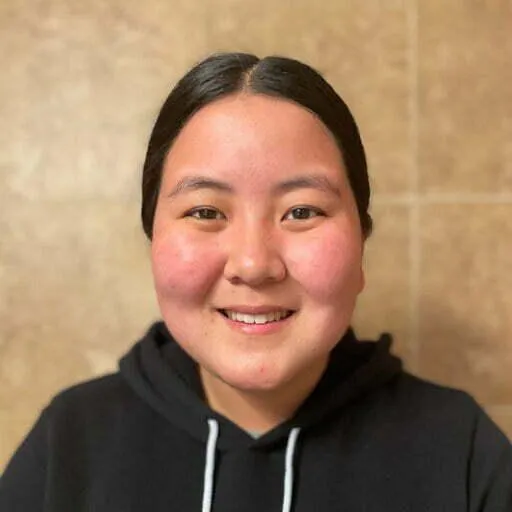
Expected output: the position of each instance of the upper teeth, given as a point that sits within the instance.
(256, 319)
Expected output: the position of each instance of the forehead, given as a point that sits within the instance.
(253, 132)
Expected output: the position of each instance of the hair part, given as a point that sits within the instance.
(226, 74)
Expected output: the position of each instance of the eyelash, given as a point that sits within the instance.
(316, 212)
(198, 213)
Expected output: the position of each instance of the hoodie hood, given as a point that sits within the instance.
(167, 379)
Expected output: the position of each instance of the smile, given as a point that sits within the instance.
(265, 318)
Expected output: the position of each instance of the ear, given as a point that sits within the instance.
(362, 279)
(362, 273)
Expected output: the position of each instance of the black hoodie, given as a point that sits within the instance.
(370, 438)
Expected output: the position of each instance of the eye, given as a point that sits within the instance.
(205, 213)
(302, 213)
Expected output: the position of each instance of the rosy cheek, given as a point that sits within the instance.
(331, 263)
(184, 266)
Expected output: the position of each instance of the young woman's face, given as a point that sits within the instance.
(257, 246)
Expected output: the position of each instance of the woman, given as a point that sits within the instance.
(253, 393)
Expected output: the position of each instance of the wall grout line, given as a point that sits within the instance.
(414, 211)
(500, 409)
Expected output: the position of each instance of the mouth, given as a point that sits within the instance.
(258, 318)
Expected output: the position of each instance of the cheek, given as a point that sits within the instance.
(184, 267)
(331, 266)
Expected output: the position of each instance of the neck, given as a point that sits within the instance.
(259, 410)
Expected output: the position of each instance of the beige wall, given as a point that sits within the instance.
(429, 82)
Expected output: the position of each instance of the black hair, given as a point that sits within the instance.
(224, 74)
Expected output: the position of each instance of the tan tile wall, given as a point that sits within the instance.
(429, 82)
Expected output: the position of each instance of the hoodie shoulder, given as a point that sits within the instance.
(87, 420)
(101, 389)
(94, 402)
(436, 400)
(77, 425)
(463, 421)
(429, 389)
(453, 411)
(414, 412)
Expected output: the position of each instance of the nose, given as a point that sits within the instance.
(253, 256)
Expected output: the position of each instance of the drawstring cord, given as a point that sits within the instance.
(209, 468)
(288, 469)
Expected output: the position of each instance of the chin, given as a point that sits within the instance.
(252, 379)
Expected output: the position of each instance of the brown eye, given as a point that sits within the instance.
(205, 213)
(302, 213)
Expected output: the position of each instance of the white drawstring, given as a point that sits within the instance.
(209, 468)
(288, 469)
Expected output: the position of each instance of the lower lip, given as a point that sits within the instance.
(268, 328)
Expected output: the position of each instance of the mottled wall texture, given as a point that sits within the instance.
(81, 82)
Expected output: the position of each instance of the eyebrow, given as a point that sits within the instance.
(311, 181)
(189, 183)
(314, 181)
